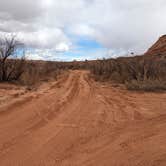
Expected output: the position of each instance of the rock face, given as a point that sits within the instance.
(159, 48)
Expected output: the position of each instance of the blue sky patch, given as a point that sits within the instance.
(85, 48)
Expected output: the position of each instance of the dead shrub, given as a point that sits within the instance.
(148, 85)
(138, 73)
(39, 71)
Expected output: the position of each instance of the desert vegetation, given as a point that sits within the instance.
(36, 72)
(137, 73)
(16, 69)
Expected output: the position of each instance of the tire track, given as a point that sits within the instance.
(77, 121)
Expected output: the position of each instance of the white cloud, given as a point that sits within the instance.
(62, 47)
(41, 54)
(82, 30)
(45, 38)
(33, 56)
(120, 26)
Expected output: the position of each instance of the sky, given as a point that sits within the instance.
(83, 29)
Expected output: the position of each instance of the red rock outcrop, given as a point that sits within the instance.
(159, 48)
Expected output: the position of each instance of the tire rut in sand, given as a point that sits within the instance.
(80, 122)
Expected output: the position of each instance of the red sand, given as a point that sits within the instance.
(78, 122)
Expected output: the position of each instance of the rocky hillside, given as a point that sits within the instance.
(159, 48)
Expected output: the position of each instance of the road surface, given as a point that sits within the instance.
(76, 121)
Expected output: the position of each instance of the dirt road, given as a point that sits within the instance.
(78, 122)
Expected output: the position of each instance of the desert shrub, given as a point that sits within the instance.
(14, 69)
(39, 71)
(148, 85)
(140, 72)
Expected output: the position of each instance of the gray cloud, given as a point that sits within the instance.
(23, 10)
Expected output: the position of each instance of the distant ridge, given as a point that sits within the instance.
(159, 48)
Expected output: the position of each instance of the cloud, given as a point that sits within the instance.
(45, 38)
(62, 47)
(119, 26)
(82, 30)
(43, 54)
(22, 10)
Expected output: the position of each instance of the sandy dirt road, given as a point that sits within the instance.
(79, 122)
